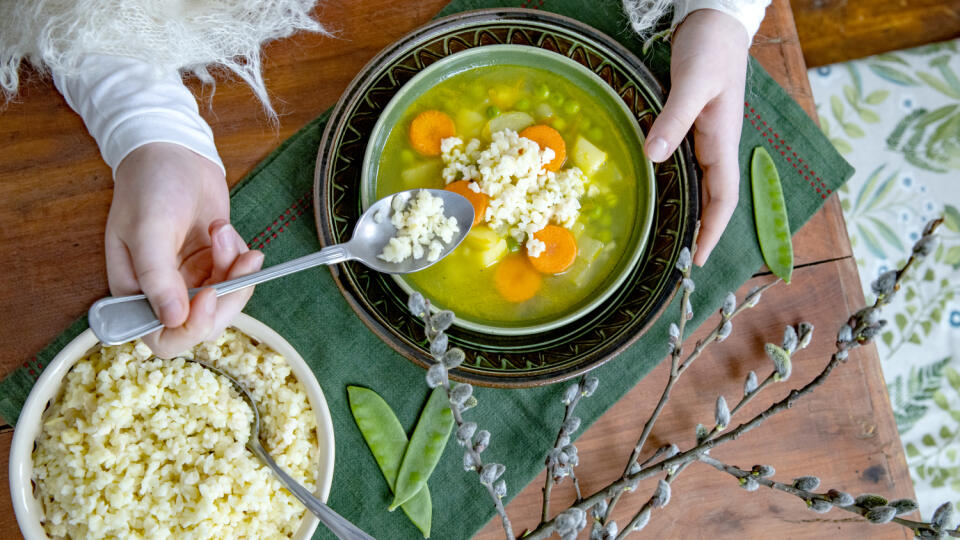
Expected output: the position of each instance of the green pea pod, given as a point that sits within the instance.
(770, 215)
(426, 446)
(387, 441)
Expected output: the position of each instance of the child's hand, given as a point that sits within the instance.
(168, 230)
(707, 75)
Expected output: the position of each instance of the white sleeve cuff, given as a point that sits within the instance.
(127, 103)
(749, 12)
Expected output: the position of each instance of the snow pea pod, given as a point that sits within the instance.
(387, 441)
(770, 215)
(425, 448)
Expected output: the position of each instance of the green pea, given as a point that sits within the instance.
(571, 107)
(493, 111)
(595, 134)
(387, 441)
(512, 244)
(559, 124)
(584, 123)
(542, 91)
(421, 457)
(556, 99)
(523, 104)
(770, 215)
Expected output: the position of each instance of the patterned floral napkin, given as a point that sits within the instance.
(896, 117)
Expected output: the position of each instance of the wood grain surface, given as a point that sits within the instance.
(55, 193)
(8, 523)
(840, 30)
(842, 433)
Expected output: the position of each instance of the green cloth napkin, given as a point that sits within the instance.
(272, 207)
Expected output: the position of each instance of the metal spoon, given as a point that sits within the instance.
(118, 319)
(338, 525)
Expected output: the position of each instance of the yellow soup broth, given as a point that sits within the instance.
(486, 100)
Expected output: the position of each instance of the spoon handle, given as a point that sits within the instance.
(338, 525)
(118, 319)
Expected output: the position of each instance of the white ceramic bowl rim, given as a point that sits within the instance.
(28, 509)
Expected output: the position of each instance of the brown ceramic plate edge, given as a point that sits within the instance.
(356, 91)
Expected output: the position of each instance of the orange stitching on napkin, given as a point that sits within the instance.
(280, 224)
(774, 138)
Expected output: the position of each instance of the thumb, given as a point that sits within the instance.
(682, 108)
(155, 262)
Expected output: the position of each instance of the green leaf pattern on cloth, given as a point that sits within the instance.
(896, 117)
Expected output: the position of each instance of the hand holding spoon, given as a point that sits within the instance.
(118, 319)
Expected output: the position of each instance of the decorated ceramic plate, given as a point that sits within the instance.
(645, 279)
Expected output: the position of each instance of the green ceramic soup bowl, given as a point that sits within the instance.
(600, 95)
(493, 357)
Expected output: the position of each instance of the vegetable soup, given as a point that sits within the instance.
(551, 179)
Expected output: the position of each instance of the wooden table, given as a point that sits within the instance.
(55, 192)
(840, 30)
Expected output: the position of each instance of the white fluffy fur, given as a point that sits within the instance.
(189, 35)
(644, 14)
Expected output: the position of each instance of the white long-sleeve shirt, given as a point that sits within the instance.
(126, 103)
(748, 12)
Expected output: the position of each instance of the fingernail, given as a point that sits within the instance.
(258, 259)
(225, 236)
(170, 311)
(700, 258)
(656, 149)
(241, 245)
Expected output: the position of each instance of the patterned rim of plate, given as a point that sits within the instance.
(504, 361)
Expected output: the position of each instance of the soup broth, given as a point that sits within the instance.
(484, 101)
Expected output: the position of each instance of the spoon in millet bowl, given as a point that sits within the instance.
(338, 525)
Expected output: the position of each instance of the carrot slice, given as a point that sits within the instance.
(560, 252)
(515, 279)
(547, 137)
(478, 200)
(428, 129)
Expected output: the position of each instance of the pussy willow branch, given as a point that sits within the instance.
(551, 468)
(618, 486)
(717, 429)
(737, 472)
(648, 427)
(544, 530)
(695, 453)
(673, 474)
(637, 518)
(497, 502)
(676, 370)
(477, 460)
